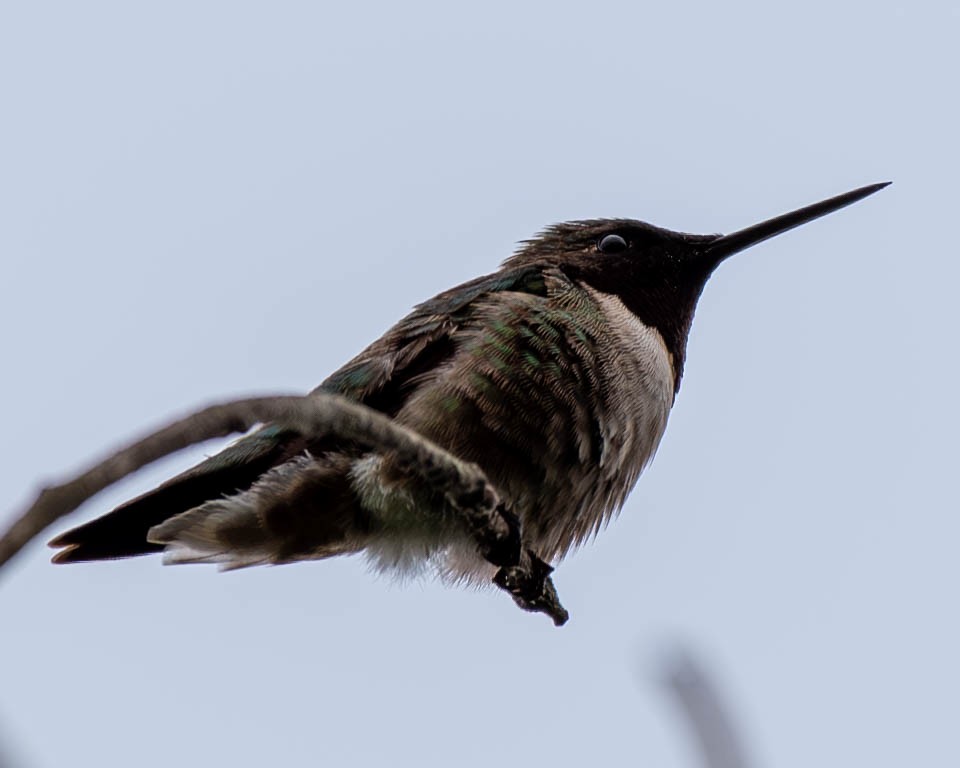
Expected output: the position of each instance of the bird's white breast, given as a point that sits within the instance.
(638, 391)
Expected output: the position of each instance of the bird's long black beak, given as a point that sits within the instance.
(727, 245)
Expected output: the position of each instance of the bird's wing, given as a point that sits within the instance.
(382, 377)
(385, 373)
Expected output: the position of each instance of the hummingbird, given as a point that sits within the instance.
(555, 375)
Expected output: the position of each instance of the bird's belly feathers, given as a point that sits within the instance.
(561, 401)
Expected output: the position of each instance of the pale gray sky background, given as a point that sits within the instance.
(205, 199)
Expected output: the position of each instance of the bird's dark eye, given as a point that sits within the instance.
(612, 244)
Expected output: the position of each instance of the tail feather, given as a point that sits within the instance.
(123, 532)
(301, 509)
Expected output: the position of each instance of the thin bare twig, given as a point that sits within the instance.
(463, 484)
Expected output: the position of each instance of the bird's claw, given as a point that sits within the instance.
(502, 548)
(530, 585)
(521, 573)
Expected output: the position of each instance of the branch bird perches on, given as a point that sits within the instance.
(495, 528)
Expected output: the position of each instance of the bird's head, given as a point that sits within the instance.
(658, 274)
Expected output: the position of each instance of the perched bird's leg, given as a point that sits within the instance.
(498, 534)
(495, 529)
(531, 587)
(522, 573)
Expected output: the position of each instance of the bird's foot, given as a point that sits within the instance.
(530, 585)
(499, 538)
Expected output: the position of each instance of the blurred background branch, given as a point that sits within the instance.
(704, 709)
(9, 757)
